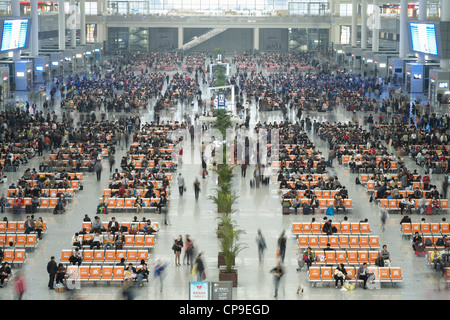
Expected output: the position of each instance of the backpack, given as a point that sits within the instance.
(379, 262)
(440, 242)
(428, 242)
(357, 181)
(133, 228)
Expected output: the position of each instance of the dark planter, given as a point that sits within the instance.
(221, 260)
(229, 276)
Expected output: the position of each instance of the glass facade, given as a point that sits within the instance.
(316, 7)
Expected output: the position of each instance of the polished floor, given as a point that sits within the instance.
(256, 209)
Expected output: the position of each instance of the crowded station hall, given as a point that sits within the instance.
(276, 151)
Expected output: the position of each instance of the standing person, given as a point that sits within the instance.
(243, 169)
(200, 268)
(261, 242)
(282, 246)
(444, 188)
(204, 170)
(158, 272)
(3, 203)
(111, 162)
(177, 245)
(257, 176)
(383, 216)
(196, 188)
(278, 273)
(19, 284)
(189, 250)
(98, 169)
(52, 268)
(181, 185)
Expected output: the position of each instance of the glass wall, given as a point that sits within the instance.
(251, 7)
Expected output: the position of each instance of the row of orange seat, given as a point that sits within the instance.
(382, 274)
(16, 227)
(19, 240)
(345, 257)
(128, 203)
(127, 224)
(97, 273)
(324, 194)
(394, 204)
(74, 184)
(325, 203)
(50, 192)
(106, 256)
(131, 240)
(426, 228)
(14, 256)
(341, 227)
(44, 203)
(339, 241)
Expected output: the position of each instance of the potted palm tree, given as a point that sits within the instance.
(230, 247)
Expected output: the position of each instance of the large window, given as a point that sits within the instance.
(239, 6)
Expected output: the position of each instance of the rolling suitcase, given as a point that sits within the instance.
(29, 208)
(428, 210)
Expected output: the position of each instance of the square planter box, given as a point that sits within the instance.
(229, 276)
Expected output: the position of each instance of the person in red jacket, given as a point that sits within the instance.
(426, 181)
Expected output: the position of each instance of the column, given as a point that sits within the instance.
(34, 28)
(255, 38)
(354, 22)
(422, 17)
(61, 26)
(445, 17)
(82, 4)
(73, 23)
(403, 43)
(180, 37)
(376, 27)
(15, 12)
(364, 24)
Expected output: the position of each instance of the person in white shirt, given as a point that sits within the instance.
(97, 241)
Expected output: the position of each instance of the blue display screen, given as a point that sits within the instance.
(14, 35)
(423, 38)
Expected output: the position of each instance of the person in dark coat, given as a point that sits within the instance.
(52, 268)
(200, 267)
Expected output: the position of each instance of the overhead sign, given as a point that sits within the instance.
(199, 291)
(221, 100)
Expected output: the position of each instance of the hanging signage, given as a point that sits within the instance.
(221, 100)
(222, 290)
(199, 291)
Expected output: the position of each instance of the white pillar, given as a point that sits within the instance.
(255, 38)
(403, 43)
(364, 24)
(15, 12)
(73, 23)
(354, 22)
(180, 37)
(61, 26)
(82, 22)
(34, 28)
(422, 17)
(445, 16)
(376, 27)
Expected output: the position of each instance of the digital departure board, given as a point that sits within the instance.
(424, 38)
(14, 34)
